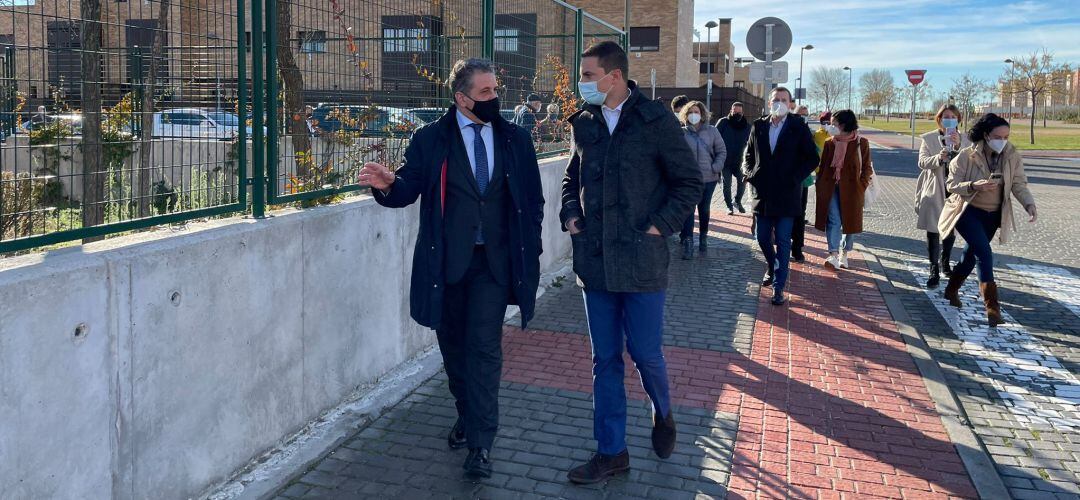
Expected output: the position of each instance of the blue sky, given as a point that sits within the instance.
(945, 37)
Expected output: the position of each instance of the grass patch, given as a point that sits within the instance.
(1053, 137)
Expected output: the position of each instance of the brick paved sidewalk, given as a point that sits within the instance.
(817, 399)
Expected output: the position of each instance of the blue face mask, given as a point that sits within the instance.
(590, 91)
(949, 123)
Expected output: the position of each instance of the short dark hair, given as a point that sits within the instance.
(984, 125)
(847, 120)
(461, 74)
(610, 56)
(678, 102)
(737, 103)
(776, 90)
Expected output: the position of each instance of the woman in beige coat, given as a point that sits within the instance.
(981, 179)
(939, 147)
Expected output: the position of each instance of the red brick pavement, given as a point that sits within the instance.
(830, 404)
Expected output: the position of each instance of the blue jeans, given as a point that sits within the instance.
(778, 229)
(703, 214)
(833, 227)
(639, 317)
(977, 226)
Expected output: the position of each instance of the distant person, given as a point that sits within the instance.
(798, 231)
(678, 102)
(779, 155)
(735, 130)
(844, 174)
(41, 117)
(525, 113)
(549, 126)
(939, 147)
(309, 119)
(983, 180)
(710, 154)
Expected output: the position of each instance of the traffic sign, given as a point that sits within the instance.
(758, 34)
(915, 76)
(759, 72)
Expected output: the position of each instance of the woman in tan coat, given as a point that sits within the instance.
(939, 147)
(844, 175)
(981, 179)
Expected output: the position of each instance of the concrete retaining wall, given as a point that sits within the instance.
(155, 365)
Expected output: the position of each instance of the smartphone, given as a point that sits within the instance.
(948, 137)
(996, 177)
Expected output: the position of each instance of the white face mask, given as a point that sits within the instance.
(998, 145)
(833, 130)
(780, 109)
(693, 118)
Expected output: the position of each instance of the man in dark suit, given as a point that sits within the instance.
(631, 182)
(779, 155)
(478, 248)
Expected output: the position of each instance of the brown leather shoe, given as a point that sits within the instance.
(599, 468)
(663, 432)
(990, 300)
(952, 290)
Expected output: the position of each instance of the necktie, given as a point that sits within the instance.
(480, 155)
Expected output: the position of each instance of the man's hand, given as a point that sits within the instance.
(653, 231)
(984, 185)
(1032, 212)
(377, 176)
(571, 226)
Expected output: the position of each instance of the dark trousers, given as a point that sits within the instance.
(703, 214)
(939, 249)
(740, 186)
(798, 228)
(638, 320)
(977, 226)
(471, 343)
(774, 239)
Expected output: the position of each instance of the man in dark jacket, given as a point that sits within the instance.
(779, 155)
(631, 182)
(478, 248)
(526, 117)
(735, 130)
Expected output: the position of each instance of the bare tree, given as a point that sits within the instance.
(93, 206)
(293, 86)
(876, 87)
(146, 118)
(1035, 75)
(966, 92)
(828, 85)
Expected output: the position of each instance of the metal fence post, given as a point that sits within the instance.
(272, 122)
(258, 97)
(139, 84)
(241, 107)
(579, 42)
(487, 30)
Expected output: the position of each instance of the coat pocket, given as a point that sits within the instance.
(651, 257)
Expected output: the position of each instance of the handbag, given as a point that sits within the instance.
(873, 190)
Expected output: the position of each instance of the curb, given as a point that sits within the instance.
(980, 466)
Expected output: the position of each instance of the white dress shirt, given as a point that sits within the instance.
(774, 132)
(611, 116)
(468, 135)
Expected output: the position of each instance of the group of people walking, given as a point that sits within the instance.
(635, 176)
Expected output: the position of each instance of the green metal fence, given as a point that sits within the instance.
(117, 116)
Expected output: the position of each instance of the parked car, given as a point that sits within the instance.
(72, 120)
(195, 123)
(433, 114)
(370, 120)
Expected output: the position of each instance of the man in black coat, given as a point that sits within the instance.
(779, 155)
(735, 130)
(478, 248)
(631, 182)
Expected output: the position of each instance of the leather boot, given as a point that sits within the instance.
(946, 267)
(935, 277)
(952, 290)
(990, 300)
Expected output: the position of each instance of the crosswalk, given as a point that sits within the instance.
(1028, 378)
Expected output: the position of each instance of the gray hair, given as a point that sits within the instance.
(461, 74)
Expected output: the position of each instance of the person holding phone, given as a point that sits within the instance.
(981, 179)
(938, 148)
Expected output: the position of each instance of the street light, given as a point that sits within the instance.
(1008, 87)
(708, 75)
(848, 69)
(801, 50)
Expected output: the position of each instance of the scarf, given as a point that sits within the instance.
(737, 124)
(840, 151)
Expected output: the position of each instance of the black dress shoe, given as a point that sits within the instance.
(740, 207)
(478, 464)
(456, 438)
(798, 256)
(599, 468)
(778, 298)
(768, 279)
(935, 277)
(663, 435)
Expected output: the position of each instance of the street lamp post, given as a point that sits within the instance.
(801, 50)
(848, 69)
(1008, 86)
(708, 74)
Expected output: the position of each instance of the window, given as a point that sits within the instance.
(706, 69)
(740, 84)
(646, 39)
(312, 42)
(33, 92)
(506, 40)
(405, 40)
